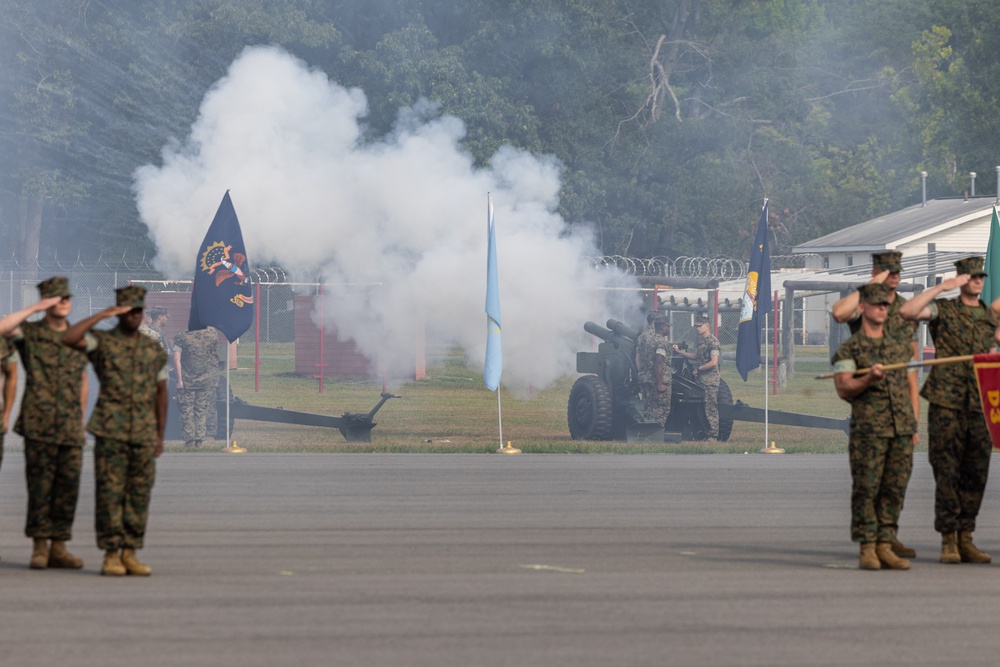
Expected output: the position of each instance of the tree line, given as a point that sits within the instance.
(672, 119)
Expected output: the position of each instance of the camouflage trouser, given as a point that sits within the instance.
(125, 474)
(709, 382)
(53, 475)
(194, 405)
(655, 404)
(959, 453)
(212, 417)
(880, 471)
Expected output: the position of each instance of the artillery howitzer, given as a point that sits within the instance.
(604, 404)
(354, 426)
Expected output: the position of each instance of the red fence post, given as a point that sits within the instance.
(322, 341)
(774, 333)
(256, 356)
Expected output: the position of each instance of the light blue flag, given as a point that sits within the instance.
(494, 355)
(991, 288)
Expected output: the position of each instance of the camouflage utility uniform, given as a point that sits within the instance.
(199, 356)
(959, 447)
(708, 380)
(124, 423)
(153, 333)
(881, 440)
(8, 359)
(656, 403)
(51, 422)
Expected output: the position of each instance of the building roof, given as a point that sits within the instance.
(896, 229)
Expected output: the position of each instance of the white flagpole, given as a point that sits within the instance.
(499, 418)
(231, 445)
(766, 425)
(768, 447)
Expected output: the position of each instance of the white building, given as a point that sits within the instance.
(941, 225)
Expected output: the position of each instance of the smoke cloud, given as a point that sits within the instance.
(395, 226)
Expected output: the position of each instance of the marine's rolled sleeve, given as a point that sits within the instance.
(845, 366)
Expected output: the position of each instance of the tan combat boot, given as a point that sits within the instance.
(888, 559)
(902, 550)
(59, 556)
(968, 552)
(132, 564)
(113, 564)
(949, 549)
(868, 560)
(40, 554)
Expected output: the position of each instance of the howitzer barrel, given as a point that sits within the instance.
(623, 330)
(616, 339)
(597, 330)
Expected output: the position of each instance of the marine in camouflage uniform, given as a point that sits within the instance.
(154, 328)
(882, 428)
(887, 267)
(196, 363)
(960, 446)
(51, 422)
(128, 423)
(653, 364)
(706, 371)
(212, 419)
(8, 371)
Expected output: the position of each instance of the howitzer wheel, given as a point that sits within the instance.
(591, 411)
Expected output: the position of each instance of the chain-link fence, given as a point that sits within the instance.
(718, 268)
(94, 287)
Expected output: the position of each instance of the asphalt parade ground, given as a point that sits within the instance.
(461, 560)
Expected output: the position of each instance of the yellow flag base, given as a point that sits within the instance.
(234, 449)
(508, 449)
(771, 449)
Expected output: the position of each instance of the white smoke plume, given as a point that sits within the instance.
(395, 226)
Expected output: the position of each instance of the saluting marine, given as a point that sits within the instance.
(51, 421)
(882, 428)
(959, 442)
(887, 270)
(128, 423)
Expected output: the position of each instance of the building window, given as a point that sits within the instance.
(850, 260)
(826, 261)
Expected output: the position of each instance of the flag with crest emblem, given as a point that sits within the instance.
(222, 293)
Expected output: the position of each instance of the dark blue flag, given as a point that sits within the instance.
(222, 294)
(756, 301)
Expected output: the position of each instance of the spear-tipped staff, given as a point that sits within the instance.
(910, 364)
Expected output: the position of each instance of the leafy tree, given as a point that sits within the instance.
(89, 92)
(673, 119)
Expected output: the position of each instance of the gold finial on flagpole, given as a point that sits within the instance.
(508, 449)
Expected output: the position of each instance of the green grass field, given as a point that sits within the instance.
(451, 411)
